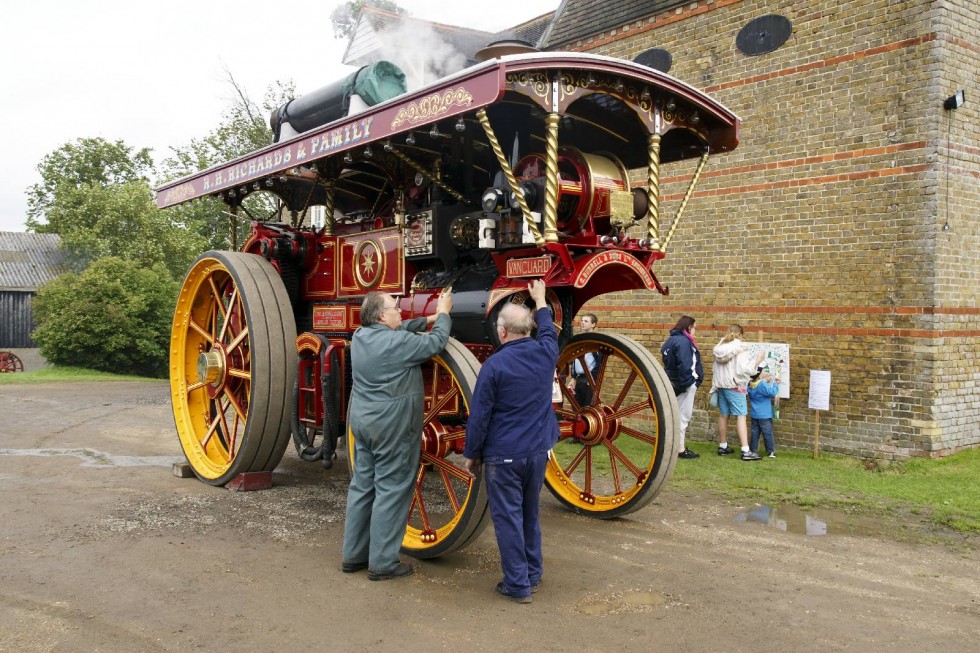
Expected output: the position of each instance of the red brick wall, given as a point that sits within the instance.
(824, 229)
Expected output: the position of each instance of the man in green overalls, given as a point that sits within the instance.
(386, 410)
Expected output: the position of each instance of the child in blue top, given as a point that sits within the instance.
(762, 389)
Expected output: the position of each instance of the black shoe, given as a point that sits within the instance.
(398, 571)
(502, 591)
(535, 587)
(352, 567)
(724, 451)
(750, 455)
(687, 453)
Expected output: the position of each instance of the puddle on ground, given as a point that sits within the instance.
(93, 458)
(628, 602)
(792, 519)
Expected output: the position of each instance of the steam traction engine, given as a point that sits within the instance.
(513, 169)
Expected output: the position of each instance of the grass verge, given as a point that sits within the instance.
(58, 374)
(945, 491)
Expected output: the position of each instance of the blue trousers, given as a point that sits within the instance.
(765, 426)
(513, 490)
(380, 493)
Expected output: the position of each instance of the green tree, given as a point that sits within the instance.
(87, 161)
(344, 17)
(122, 221)
(95, 195)
(244, 128)
(115, 317)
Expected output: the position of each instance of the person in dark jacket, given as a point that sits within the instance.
(578, 382)
(386, 414)
(511, 428)
(682, 363)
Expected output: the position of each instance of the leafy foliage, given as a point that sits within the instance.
(344, 17)
(86, 162)
(243, 129)
(122, 221)
(115, 317)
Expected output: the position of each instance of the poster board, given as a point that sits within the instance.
(819, 390)
(776, 363)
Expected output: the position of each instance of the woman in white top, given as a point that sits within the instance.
(731, 370)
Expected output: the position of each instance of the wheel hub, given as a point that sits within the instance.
(211, 368)
(434, 440)
(598, 426)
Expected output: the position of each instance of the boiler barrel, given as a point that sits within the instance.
(374, 84)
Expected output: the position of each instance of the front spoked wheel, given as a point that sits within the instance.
(231, 366)
(449, 507)
(615, 453)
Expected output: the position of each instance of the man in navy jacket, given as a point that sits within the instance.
(511, 428)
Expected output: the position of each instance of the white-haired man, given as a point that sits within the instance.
(511, 429)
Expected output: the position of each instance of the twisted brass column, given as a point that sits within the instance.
(328, 187)
(653, 192)
(551, 179)
(509, 175)
(687, 197)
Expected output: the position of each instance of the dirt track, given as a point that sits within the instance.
(102, 548)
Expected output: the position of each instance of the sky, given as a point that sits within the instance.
(154, 75)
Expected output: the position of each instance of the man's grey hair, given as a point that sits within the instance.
(516, 318)
(372, 307)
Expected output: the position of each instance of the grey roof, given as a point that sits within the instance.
(28, 260)
(529, 31)
(578, 19)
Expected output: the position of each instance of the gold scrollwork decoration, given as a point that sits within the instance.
(432, 106)
(672, 113)
(537, 82)
(569, 85)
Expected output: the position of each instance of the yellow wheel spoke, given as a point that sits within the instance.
(450, 492)
(239, 412)
(649, 439)
(588, 470)
(217, 297)
(576, 461)
(615, 452)
(233, 303)
(418, 502)
(442, 465)
(201, 330)
(626, 388)
(632, 410)
(211, 429)
(229, 449)
(239, 374)
(238, 339)
(614, 468)
(565, 414)
(570, 396)
(195, 386)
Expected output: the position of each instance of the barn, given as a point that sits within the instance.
(27, 262)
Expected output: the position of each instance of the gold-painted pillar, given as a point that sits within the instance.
(653, 192)
(328, 187)
(687, 198)
(551, 179)
(509, 175)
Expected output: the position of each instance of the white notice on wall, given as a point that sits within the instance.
(819, 390)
